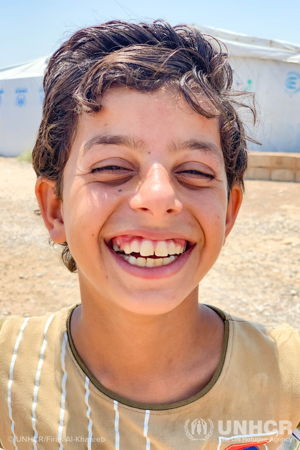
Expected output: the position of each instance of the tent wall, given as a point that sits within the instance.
(277, 90)
(20, 114)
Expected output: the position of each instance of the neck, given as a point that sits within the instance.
(141, 357)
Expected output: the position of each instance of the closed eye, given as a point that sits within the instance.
(110, 169)
(196, 173)
(111, 174)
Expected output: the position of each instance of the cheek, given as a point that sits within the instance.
(87, 210)
(210, 212)
(210, 206)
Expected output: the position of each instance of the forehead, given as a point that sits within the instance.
(157, 119)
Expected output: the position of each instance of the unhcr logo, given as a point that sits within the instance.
(199, 429)
(21, 97)
(292, 83)
(239, 435)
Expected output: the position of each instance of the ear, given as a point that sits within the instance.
(51, 209)
(233, 207)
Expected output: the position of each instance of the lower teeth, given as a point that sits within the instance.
(148, 262)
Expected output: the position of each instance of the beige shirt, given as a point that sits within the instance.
(50, 400)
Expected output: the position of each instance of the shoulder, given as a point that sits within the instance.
(262, 330)
(254, 331)
(253, 338)
(27, 334)
(277, 348)
(268, 358)
(15, 320)
(24, 340)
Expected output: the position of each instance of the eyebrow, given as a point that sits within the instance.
(140, 145)
(195, 144)
(106, 139)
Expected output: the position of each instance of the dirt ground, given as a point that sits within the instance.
(257, 275)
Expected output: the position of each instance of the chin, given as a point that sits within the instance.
(149, 306)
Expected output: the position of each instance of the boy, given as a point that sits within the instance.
(140, 159)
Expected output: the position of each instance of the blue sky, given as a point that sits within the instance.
(30, 29)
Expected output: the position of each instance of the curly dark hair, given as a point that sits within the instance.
(145, 57)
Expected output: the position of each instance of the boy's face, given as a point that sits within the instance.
(145, 210)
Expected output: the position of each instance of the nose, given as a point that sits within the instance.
(156, 194)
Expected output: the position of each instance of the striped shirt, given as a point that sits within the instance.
(50, 400)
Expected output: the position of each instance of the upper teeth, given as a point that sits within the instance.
(149, 248)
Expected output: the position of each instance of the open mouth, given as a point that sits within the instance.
(148, 253)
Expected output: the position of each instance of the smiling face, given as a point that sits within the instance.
(144, 209)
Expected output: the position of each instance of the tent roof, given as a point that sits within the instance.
(35, 68)
(252, 47)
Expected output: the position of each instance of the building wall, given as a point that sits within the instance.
(273, 166)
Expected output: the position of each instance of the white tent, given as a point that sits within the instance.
(271, 69)
(21, 99)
